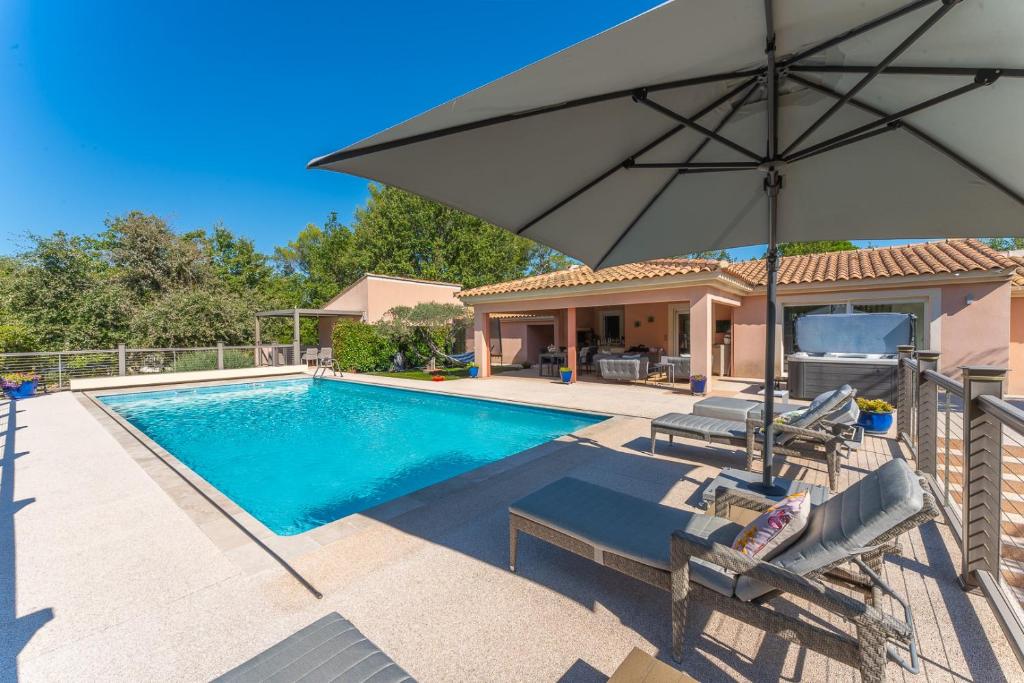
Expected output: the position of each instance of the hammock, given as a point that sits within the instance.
(458, 359)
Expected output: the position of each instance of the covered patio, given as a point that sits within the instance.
(691, 314)
(283, 354)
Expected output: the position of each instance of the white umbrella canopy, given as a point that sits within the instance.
(707, 124)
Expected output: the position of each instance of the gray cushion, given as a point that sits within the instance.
(849, 520)
(330, 649)
(818, 410)
(740, 409)
(700, 427)
(626, 525)
(624, 368)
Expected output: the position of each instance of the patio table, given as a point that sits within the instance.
(555, 359)
(746, 480)
(668, 368)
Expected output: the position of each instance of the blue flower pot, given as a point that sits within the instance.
(473, 372)
(23, 390)
(876, 423)
(567, 377)
(698, 386)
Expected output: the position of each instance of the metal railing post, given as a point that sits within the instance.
(927, 413)
(904, 352)
(982, 475)
(220, 355)
(122, 360)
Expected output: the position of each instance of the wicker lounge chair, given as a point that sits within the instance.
(690, 555)
(823, 432)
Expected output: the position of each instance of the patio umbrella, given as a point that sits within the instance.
(710, 124)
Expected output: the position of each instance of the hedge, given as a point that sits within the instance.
(359, 346)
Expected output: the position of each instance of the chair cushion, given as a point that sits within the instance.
(849, 520)
(818, 410)
(626, 525)
(698, 426)
(775, 528)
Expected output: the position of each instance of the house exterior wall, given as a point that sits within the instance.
(988, 331)
(385, 293)
(1016, 379)
(354, 298)
(640, 331)
(977, 333)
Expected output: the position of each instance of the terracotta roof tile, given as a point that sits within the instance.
(926, 258)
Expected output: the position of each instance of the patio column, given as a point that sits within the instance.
(295, 337)
(701, 328)
(482, 342)
(258, 353)
(570, 347)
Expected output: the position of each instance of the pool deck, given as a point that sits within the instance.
(112, 576)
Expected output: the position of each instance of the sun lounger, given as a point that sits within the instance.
(690, 555)
(330, 649)
(823, 432)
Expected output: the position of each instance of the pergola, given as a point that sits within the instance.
(321, 314)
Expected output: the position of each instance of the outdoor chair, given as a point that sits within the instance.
(310, 357)
(690, 555)
(624, 369)
(681, 365)
(823, 432)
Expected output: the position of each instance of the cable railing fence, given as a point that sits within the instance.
(969, 445)
(58, 368)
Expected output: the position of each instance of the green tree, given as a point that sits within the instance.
(815, 247)
(399, 233)
(712, 254)
(1005, 243)
(149, 258)
(194, 317)
(235, 260)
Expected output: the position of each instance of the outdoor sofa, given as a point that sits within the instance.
(689, 555)
(624, 369)
(824, 430)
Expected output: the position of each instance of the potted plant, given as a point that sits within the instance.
(474, 369)
(20, 384)
(875, 415)
(698, 384)
(566, 373)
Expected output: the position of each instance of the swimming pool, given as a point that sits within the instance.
(297, 454)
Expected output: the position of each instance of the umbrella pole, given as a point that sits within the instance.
(772, 185)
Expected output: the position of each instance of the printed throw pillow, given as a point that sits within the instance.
(776, 528)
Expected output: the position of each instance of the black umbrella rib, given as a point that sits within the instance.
(932, 19)
(625, 163)
(847, 140)
(693, 155)
(920, 135)
(856, 31)
(344, 154)
(909, 70)
(641, 97)
(698, 165)
(980, 81)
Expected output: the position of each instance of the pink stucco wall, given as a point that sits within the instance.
(385, 294)
(375, 296)
(976, 333)
(1016, 379)
(748, 337)
(651, 334)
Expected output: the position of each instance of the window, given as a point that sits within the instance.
(791, 313)
(612, 327)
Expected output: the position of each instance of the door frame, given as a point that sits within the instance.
(673, 325)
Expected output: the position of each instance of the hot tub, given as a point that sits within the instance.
(857, 349)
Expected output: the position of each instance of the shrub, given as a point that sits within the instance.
(359, 346)
(874, 405)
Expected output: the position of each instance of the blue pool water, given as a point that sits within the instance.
(297, 454)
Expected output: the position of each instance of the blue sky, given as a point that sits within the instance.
(208, 111)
